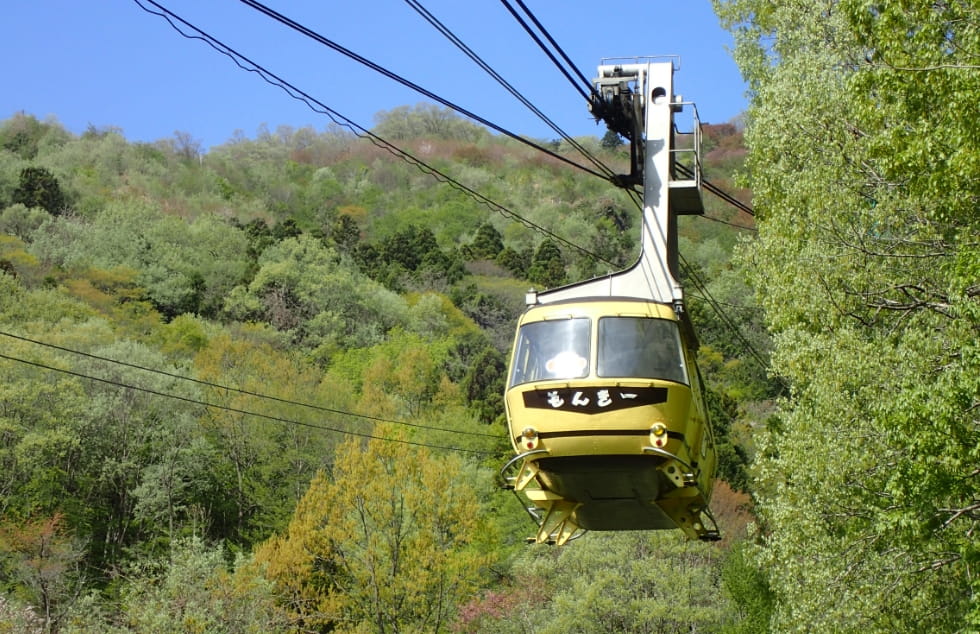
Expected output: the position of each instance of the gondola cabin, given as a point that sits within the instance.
(606, 414)
(605, 408)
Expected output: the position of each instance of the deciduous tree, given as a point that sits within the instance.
(44, 558)
(385, 544)
(866, 262)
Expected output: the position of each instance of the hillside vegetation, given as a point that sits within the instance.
(260, 388)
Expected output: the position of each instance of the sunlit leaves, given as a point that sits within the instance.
(611, 582)
(862, 152)
(386, 542)
(192, 589)
(185, 267)
(302, 288)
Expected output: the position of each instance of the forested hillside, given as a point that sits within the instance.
(260, 388)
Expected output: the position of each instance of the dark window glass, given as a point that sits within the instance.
(640, 347)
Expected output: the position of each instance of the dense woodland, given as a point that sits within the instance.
(259, 387)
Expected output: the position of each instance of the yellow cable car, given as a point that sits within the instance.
(607, 417)
(605, 408)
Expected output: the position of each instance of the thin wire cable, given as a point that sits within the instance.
(296, 26)
(703, 289)
(248, 65)
(559, 49)
(734, 202)
(730, 224)
(744, 309)
(717, 191)
(452, 37)
(586, 94)
(268, 397)
(236, 410)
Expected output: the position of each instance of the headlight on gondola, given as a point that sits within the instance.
(529, 438)
(658, 434)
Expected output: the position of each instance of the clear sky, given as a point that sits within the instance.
(109, 63)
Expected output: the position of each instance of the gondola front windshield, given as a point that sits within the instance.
(628, 347)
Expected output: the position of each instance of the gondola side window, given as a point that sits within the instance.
(554, 349)
(640, 347)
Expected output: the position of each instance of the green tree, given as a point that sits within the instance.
(425, 120)
(44, 559)
(304, 289)
(20, 221)
(410, 253)
(39, 188)
(516, 263)
(191, 589)
(122, 466)
(749, 588)
(548, 265)
(611, 140)
(259, 237)
(21, 135)
(484, 384)
(259, 467)
(487, 243)
(633, 581)
(184, 266)
(866, 264)
(345, 234)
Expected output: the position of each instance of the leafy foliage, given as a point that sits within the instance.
(611, 582)
(425, 120)
(39, 188)
(547, 266)
(45, 561)
(866, 265)
(192, 589)
(387, 542)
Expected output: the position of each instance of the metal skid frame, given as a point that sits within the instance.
(551, 513)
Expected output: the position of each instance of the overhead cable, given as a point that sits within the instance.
(717, 191)
(259, 395)
(452, 37)
(706, 295)
(296, 26)
(235, 410)
(564, 71)
(317, 106)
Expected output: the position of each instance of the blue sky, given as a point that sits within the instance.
(109, 63)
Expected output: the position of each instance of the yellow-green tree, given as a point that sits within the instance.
(263, 465)
(385, 545)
